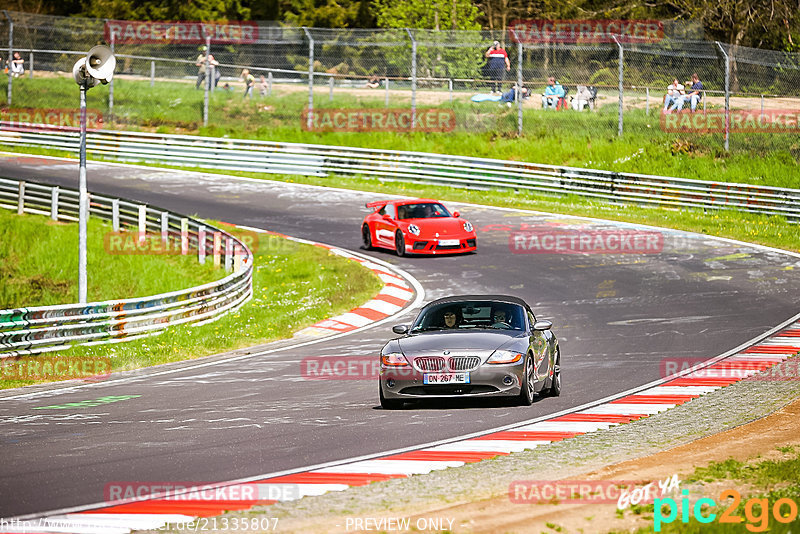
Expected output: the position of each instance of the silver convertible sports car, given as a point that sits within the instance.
(472, 345)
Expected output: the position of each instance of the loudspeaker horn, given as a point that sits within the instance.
(80, 74)
(100, 63)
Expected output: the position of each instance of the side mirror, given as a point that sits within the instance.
(456, 214)
(542, 325)
(400, 329)
(387, 217)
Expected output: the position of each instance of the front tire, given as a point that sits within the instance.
(366, 237)
(389, 404)
(527, 393)
(555, 381)
(399, 243)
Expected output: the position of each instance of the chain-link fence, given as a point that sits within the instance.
(407, 80)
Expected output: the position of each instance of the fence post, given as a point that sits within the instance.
(115, 214)
(310, 114)
(30, 66)
(761, 117)
(21, 198)
(269, 83)
(142, 223)
(111, 86)
(621, 88)
(201, 244)
(54, 203)
(208, 83)
(518, 92)
(10, 54)
(413, 78)
(387, 91)
(450, 86)
(647, 101)
(727, 95)
(152, 73)
(330, 86)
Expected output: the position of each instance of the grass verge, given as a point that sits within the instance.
(482, 130)
(39, 265)
(294, 286)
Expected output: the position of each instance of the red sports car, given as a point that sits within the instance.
(421, 226)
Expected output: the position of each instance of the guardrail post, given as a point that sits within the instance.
(621, 88)
(310, 114)
(54, 203)
(165, 228)
(152, 73)
(413, 78)
(10, 54)
(142, 223)
(201, 244)
(217, 247)
(21, 198)
(228, 253)
(237, 258)
(115, 214)
(184, 236)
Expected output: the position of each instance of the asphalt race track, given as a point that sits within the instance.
(618, 317)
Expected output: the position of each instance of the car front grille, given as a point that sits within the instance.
(429, 363)
(464, 363)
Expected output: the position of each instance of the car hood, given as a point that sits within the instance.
(444, 226)
(440, 340)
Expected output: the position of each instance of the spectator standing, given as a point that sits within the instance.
(552, 93)
(694, 96)
(675, 93)
(498, 65)
(17, 65)
(201, 67)
(249, 83)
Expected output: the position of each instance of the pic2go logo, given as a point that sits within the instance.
(756, 511)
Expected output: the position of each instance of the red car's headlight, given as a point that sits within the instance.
(468, 226)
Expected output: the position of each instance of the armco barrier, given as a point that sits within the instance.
(41, 329)
(455, 171)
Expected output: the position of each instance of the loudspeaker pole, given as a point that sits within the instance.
(83, 202)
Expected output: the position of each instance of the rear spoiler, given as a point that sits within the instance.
(376, 204)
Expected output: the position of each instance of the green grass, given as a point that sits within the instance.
(766, 480)
(487, 130)
(294, 286)
(39, 265)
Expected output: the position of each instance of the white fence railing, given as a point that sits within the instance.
(34, 330)
(454, 171)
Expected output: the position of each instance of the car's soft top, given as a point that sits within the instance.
(461, 298)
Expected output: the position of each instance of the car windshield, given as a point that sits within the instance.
(471, 315)
(423, 210)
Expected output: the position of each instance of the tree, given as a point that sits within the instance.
(328, 13)
(428, 14)
(196, 10)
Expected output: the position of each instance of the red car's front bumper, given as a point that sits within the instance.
(416, 245)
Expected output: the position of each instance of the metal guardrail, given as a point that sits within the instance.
(35, 330)
(454, 171)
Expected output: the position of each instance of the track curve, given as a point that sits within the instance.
(618, 317)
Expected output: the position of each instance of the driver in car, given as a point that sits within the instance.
(450, 319)
(500, 319)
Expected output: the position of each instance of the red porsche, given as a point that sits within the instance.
(421, 226)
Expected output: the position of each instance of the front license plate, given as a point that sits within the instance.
(445, 378)
(449, 242)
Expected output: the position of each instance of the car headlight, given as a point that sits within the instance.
(468, 226)
(504, 356)
(393, 359)
(413, 229)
